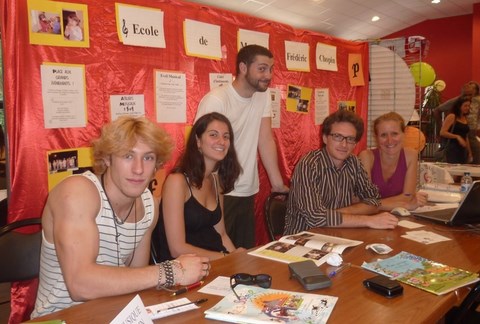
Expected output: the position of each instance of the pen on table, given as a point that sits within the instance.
(196, 302)
(187, 288)
(336, 271)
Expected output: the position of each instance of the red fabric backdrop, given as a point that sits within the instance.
(113, 68)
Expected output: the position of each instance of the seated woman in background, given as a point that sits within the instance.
(455, 131)
(191, 210)
(392, 167)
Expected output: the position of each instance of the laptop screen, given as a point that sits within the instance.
(469, 210)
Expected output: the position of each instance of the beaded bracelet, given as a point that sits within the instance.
(165, 269)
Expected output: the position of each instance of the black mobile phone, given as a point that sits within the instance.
(309, 275)
(384, 286)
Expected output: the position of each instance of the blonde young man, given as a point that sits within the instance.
(97, 227)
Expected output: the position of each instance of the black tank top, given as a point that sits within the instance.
(199, 230)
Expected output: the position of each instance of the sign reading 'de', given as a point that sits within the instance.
(297, 56)
(326, 57)
(140, 26)
(202, 39)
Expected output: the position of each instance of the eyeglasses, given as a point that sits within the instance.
(262, 280)
(339, 138)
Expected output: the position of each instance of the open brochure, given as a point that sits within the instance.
(422, 273)
(304, 246)
(259, 305)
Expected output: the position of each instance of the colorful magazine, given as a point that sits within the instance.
(422, 273)
(304, 246)
(259, 305)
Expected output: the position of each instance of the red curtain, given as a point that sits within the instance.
(113, 68)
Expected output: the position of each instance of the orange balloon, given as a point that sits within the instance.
(414, 138)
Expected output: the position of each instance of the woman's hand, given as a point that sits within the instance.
(461, 141)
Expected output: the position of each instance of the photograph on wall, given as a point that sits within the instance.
(58, 24)
(298, 99)
(347, 105)
(63, 163)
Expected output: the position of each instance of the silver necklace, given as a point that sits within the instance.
(118, 221)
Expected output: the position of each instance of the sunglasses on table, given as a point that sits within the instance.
(261, 280)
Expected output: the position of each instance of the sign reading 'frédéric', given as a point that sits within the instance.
(297, 56)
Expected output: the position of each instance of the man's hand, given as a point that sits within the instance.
(195, 268)
(383, 220)
(281, 188)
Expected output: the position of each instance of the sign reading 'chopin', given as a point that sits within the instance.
(326, 57)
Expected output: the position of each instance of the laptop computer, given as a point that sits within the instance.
(467, 212)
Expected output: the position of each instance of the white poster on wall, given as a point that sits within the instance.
(140, 26)
(127, 105)
(249, 37)
(220, 79)
(202, 39)
(322, 103)
(170, 97)
(297, 56)
(63, 95)
(326, 57)
(276, 113)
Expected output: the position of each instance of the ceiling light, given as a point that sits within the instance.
(375, 18)
(435, 1)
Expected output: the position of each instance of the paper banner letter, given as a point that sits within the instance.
(355, 71)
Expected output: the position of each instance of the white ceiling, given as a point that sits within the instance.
(347, 19)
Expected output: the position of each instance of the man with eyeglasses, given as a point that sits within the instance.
(329, 186)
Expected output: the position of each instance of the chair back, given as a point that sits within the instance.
(275, 210)
(19, 252)
(467, 311)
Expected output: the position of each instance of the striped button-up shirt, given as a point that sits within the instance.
(318, 189)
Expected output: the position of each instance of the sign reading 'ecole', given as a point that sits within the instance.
(140, 26)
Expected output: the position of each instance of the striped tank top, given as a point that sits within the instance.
(52, 292)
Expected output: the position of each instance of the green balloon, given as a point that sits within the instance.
(423, 73)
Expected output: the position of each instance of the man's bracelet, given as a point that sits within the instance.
(165, 270)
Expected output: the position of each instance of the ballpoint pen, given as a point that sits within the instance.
(196, 302)
(187, 288)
